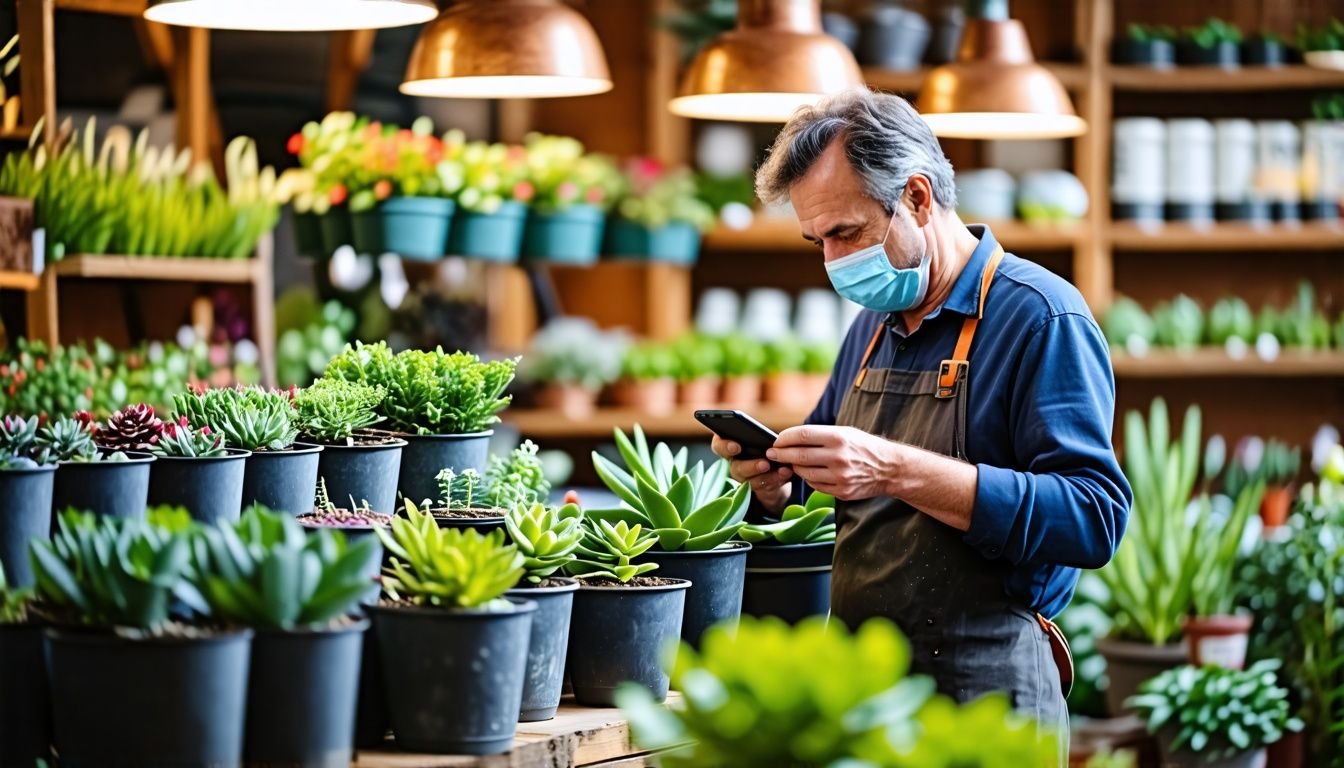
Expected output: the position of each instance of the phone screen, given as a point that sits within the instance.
(754, 437)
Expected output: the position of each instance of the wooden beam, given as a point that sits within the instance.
(347, 59)
(38, 73)
(156, 43)
(1092, 262)
(110, 7)
(197, 122)
(669, 134)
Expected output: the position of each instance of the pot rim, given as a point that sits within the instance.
(1220, 624)
(132, 457)
(518, 606)
(106, 636)
(295, 449)
(395, 442)
(1134, 648)
(40, 468)
(356, 624)
(570, 584)
(408, 437)
(676, 585)
(230, 454)
(728, 549)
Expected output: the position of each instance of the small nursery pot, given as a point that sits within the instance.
(454, 678)
(571, 236)
(741, 392)
(283, 481)
(574, 401)
(1220, 640)
(1320, 210)
(112, 488)
(1247, 210)
(366, 232)
(336, 230)
(716, 578)
(1158, 54)
(27, 516)
(1260, 52)
(25, 707)
(676, 242)
(1275, 505)
(698, 393)
(118, 702)
(308, 234)
(301, 694)
(363, 473)
(1224, 54)
(1129, 664)
(653, 396)
(790, 581)
(210, 488)
(787, 389)
(494, 236)
(546, 646)
(618, 632)
(424, 456)
(417, 227)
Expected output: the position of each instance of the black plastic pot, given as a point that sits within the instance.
(1128, 664)
(371, 706)
(546, 647)
(112, 488)
(716, 580)
(1158, 54)
(1320, 210)
(25, 708)
(166, 701)
(618, 633)
(426, 455)
(481, 525)
(1190, 212)
(1149, 212)
(26, 495)
(1246, 210)
(301, 697)
(283, 481)
(1286, 210)
(362, 472)
(1259, 52)
(1224, 54)
(211, 489)
(790, 581)
(453, 679)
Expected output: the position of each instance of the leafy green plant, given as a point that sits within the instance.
(573, 351)
(1231, 317)
(698, 357)
(132, 428)
(656, 196)
(1328, 107)
(649, 361)
(430, 393)
(1211, 33)
(1302, 324)
(331, 411)
(1126, 320)
(808, 523)
(1214, 711)
(493, 174)
(1280, 463)
(547, 537)
(447, 567)
(39, 381)
(1327, 37)
(1212, 590)
(1003, 738)
(250, 418)
(1179, 323)
(563, 175)
(741, 356)
(819, 357)
(13, 602)
(179, 440)
(1146, 33)
(266, 571)
(608, 550)
(689, 510)
(784, 355)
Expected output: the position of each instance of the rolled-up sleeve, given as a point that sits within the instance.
(1070, 502)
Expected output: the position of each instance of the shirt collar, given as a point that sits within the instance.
(965, 296)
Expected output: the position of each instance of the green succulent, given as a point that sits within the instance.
(784, 355)
(331, 411)
(808, 523)
(649, 361)
(688, 510)
(608, 550)
(518, 479)
(19, 445)
(547, 537)
(266, 571)
(1179, 323)
(250, 418)
(462, 490)
(13, 602)
(698, 357)
(447, 567)
(68, 439)
(1212, 32)
(179, 440)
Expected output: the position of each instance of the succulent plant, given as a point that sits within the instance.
(447, 567)
(326, 513)
(68, 439)
(19, 446)
(179, 440)
(546, 536)
(132, 428)
(250, 418)
(516, 480)
(462, 490)
(331, 411)
(607, 551)
(808, 523)
(13, 602)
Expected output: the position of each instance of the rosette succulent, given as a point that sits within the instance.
(250, 418)
(546, 536)
(132, 428)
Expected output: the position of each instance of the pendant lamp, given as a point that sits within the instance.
(291, 15)
(776, 60)
(507, 49)
(995, 89)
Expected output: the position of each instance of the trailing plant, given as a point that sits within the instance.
(573, 351)
(608, 550)
(692, 510)
(547, 537)
(331, 411)
(1214, 711)
(266, 571)
(13, 602)
(132, 428)
(250, 418)
(179, 440)
(1211, 33)
(809, 523)
(447, 567)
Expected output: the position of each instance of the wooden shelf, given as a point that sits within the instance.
(775, 233)
(1245, 79)
(546, 424)
(16, 134)
(1073, 76)
(1214, 362)
(1226, 237)
(111, 7)
(23, 281)
(174, 268)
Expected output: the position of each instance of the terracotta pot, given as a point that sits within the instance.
(1128, 664)
(653, 396)
(575, 402)
(814, 386)
(698, 393)
(1218, 640)
(1287, 752)
(741, 392)
(1275, 505)
(786, 389)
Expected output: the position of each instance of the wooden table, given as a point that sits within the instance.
(578, 736)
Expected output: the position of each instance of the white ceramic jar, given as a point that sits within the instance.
(1138, 182)
(1190, 170)
(1279, 167)
(1235, 173)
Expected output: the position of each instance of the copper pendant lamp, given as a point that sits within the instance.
(291, 15)
(995, 89)
(507, 49)
(776, 60)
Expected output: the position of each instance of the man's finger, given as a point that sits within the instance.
(818, 476)
(807, 456)
(806, 435)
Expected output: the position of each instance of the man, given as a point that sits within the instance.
(966, 429)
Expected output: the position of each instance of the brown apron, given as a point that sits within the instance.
(894, 561)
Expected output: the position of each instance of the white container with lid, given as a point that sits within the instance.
(1235, 142)
(1190, 169)
(1279, 163)
(1138, 182)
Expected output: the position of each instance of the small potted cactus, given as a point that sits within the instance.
(648, 381)
(26, 474)
(1146, 46)
(357, 461)
(492, 202)
(104, 469)
(25, 738)
(468, 500)
(281, 474)
(1215, 43)
(572, 193)
(193, 469)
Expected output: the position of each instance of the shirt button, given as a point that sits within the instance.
(900, 347)
(993, 550)
(929, 622)
(937, 652)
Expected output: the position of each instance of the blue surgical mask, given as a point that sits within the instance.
(867, 278)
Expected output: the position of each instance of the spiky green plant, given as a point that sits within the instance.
(447, 567)
(517, 479)
(547, 537)
(608, 550)
(19, 446)
(809, 523)
(179, 440)
(13, 602)
(250, 418)
(68, 439)
(331, 411)
(462, 490)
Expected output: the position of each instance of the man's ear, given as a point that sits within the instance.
(918, 198)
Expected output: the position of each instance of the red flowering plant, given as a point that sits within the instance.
(329, 153)
(563, 175)
(493, 174)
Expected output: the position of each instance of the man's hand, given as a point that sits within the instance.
(772, 487)
(845, 462)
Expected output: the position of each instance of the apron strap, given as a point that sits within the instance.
(950, 372)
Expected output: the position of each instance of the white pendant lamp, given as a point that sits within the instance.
(291, 15)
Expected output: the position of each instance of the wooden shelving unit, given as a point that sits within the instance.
(1203, 79)
(167, 268)
(1205, 363)
(22, 281)
(550, 425)
(1225, 236)
(1073, 76)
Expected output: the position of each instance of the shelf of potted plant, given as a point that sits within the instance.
(569, 361)
(1212, 361)
(1203, 79)
(572, 192)
(1072, 76)
(659, 216)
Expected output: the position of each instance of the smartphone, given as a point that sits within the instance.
(754, 437)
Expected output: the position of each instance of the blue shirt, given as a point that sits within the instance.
(1050, 497)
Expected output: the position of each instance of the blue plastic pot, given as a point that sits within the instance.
(676, 242)
(366, 232)
(571, 236)
(417, 227)
(494, 236)
(308, 234)
(27, 516)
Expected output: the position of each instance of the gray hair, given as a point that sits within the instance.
(886, 142)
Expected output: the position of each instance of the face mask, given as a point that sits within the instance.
(868, 279)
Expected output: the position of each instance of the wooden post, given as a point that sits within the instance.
(1092, 263)
(263, 307)
(38, 73)
(191, 90)
(347, 58)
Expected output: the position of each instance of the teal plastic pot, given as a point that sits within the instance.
(571, 236)
(676, 242)
(308, 234)
(417, 227)
(335, 227)
(366, 232)
(494, 236)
